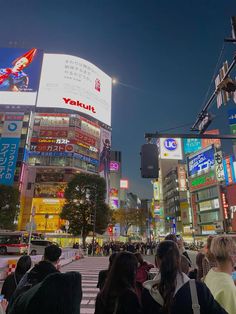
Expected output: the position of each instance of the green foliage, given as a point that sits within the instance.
(84, 195)
(9, 206)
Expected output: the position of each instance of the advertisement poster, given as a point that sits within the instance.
(12, 125)
(208, 141)
(201, 162)
(19, 75)
(105, 157)
(73, 83)
(171, 148)
(229, 170)
(219, 169)
(191, 145)
(8, 158)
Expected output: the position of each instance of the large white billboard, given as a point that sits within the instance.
(171, 148)
(73, 83)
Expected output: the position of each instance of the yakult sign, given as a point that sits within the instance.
(72, 83)
(201, 162)
(171, 148)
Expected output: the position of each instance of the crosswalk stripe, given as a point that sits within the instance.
(89, 268)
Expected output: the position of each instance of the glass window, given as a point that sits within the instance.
(207, 193)
(209, 217)
(208, 205)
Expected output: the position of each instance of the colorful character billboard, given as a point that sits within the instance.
(105, 157)
(19, 75)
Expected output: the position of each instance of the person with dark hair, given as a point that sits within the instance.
(12, 280)
(118, 293)
(47, 266)
(56, 294)
(172, 292)
(185, 260)
(103, 273)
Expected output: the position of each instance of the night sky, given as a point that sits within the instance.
(162, 52)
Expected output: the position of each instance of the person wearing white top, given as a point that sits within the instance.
(219, 279)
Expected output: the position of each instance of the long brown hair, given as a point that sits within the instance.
(169, 259)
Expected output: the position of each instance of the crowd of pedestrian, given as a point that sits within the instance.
(127, 286)
(109, 248)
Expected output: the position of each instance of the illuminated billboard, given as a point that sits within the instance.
(73, 83)
(201, 161)
(124, 184)
(19, 75)
(171, 148)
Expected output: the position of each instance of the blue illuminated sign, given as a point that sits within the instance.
(170, 144)
(8, 158)
(201, 161)
(192, 145)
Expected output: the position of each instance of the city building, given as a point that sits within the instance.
(55, 126)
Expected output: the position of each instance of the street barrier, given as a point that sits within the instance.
(8, 265)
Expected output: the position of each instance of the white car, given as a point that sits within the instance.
(37, 246)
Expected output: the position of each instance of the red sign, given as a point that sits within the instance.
(225, 205)
(209, 141)
(53, 133)
(52, 148)
(83, 138)
(78, 103)
(194, 207)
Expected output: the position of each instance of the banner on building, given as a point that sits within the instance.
(182, 178)
(8, 157)
(219, 169)
(229, 170)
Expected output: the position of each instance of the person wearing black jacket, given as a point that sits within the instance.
(169, 292)
(58, 293)
(40, 271)
(118, 294)
(12, 280)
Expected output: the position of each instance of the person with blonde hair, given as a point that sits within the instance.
(219, 279)
(209, 260)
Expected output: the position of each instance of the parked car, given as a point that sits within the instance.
(37, 246)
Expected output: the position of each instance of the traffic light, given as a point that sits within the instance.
(110, 229)
(149, 161)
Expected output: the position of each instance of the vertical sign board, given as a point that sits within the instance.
(8, 158)
(9, 144)
(229, 170)
(182, 178)
(219, 169)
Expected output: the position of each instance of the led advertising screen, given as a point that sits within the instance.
(201, 161)
(19, 75)
(73, 83)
